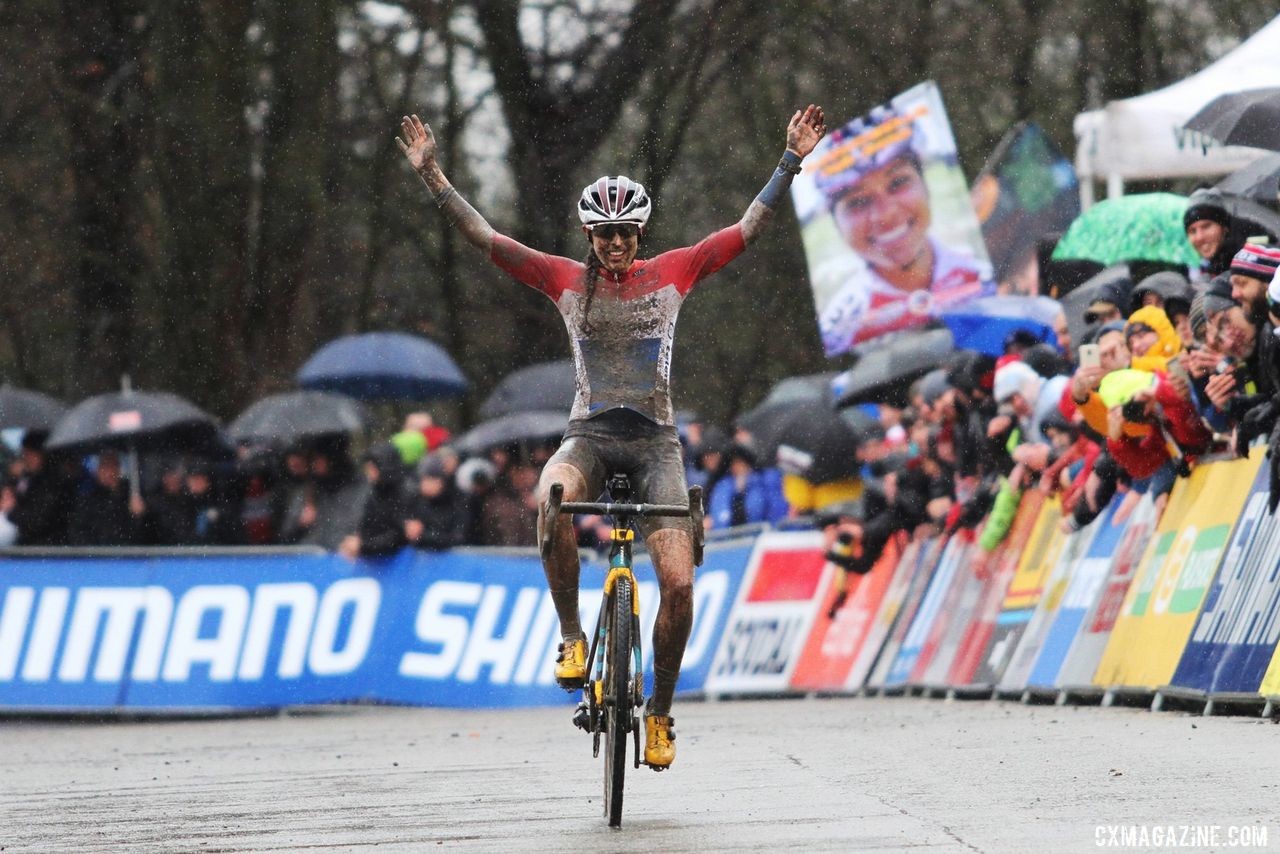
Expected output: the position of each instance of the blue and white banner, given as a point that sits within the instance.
(1239, 625)
(465, 628)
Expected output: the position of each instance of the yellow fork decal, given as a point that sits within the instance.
(623, 572)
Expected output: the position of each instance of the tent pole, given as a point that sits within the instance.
(1115, 186)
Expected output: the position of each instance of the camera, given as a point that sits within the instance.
(1226, 364)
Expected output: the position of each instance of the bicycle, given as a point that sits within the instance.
(615, 680)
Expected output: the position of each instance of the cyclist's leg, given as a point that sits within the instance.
(672, 553)
(660, 480)
(577, 468)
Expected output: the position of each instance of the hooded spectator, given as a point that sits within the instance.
(381, 532)
(438, 513)
(328, 506)
(203, 517)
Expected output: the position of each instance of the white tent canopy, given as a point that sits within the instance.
(1143, 138)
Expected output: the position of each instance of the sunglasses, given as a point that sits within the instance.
(608, 231)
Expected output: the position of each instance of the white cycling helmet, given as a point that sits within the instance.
(614, 200)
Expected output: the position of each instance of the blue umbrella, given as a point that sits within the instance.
(383, 366)
(983, 324)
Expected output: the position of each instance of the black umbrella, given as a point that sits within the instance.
(807, 438)
(544, 387)
(1249, 118)
(383, 366)
(1114, 281)
(884, 374)
(136, 420)
(1260, 180)
(513, 428)
(795, 389)
(283, 419)
(30, 410)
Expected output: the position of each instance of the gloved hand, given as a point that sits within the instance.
(1258, 421)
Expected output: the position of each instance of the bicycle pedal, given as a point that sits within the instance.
(582, 717)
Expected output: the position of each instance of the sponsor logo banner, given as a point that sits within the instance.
(1236, 634)
(834, 644)
(926, 563)
(1116, 550)
(1164, 600)
(465, 628)
(785, 582)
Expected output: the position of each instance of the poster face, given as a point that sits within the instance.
(889, 232)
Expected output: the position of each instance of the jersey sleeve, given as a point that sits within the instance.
(550, 274)
(688, 265)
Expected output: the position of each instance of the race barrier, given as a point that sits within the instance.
(1186, 609)
(462, 628)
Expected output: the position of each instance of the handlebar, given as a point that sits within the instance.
(608, 508)
(557, 505)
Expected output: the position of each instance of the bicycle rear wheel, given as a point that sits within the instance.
(618, 700)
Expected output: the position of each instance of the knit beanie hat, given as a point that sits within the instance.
(1256, 261)
(1206, 204)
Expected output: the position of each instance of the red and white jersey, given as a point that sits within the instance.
(868, 306)
(623, 355)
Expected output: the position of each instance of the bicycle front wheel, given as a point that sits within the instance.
(618, 700)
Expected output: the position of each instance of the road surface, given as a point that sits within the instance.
(849, 774)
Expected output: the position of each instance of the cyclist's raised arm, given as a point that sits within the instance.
(806, 127)
(418, 144)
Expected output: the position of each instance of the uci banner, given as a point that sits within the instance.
(468, 628)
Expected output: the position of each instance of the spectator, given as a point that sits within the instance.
(437, 514)
(108, 515)
(205, 518)
(746, 494)
(329, 505)
(1150, 400)
(509, 512)
(475, 480)
(1109, 302)
(382, 529)
(1210, 229)
(166, 508)
(41, 496)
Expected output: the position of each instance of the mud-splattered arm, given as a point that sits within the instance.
(804, 131)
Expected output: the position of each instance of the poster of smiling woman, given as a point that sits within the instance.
(889, 232)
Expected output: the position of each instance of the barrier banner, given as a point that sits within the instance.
(1235, 636)
(833, 645)
(468, 628)
(1063, 556)
(1177, 569)
(890, 606)
(927, 559)
(1071, 653)
(784, 587)
(1012, 592)
(953, 618)
(954, 550)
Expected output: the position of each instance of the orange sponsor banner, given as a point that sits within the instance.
(833, 644)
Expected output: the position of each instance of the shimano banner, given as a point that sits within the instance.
(464, 628)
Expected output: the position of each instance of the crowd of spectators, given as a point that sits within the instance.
(1173, 367)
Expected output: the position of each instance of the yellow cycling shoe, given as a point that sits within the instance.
(659, 741)
(571, 666)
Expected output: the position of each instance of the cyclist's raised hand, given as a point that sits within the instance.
(807, 126)
(417, 142)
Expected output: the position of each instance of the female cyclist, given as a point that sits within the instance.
(621, 316)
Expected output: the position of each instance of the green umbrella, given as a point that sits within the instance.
(1143, 227)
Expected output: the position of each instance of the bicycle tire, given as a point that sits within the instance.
(618, 700)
